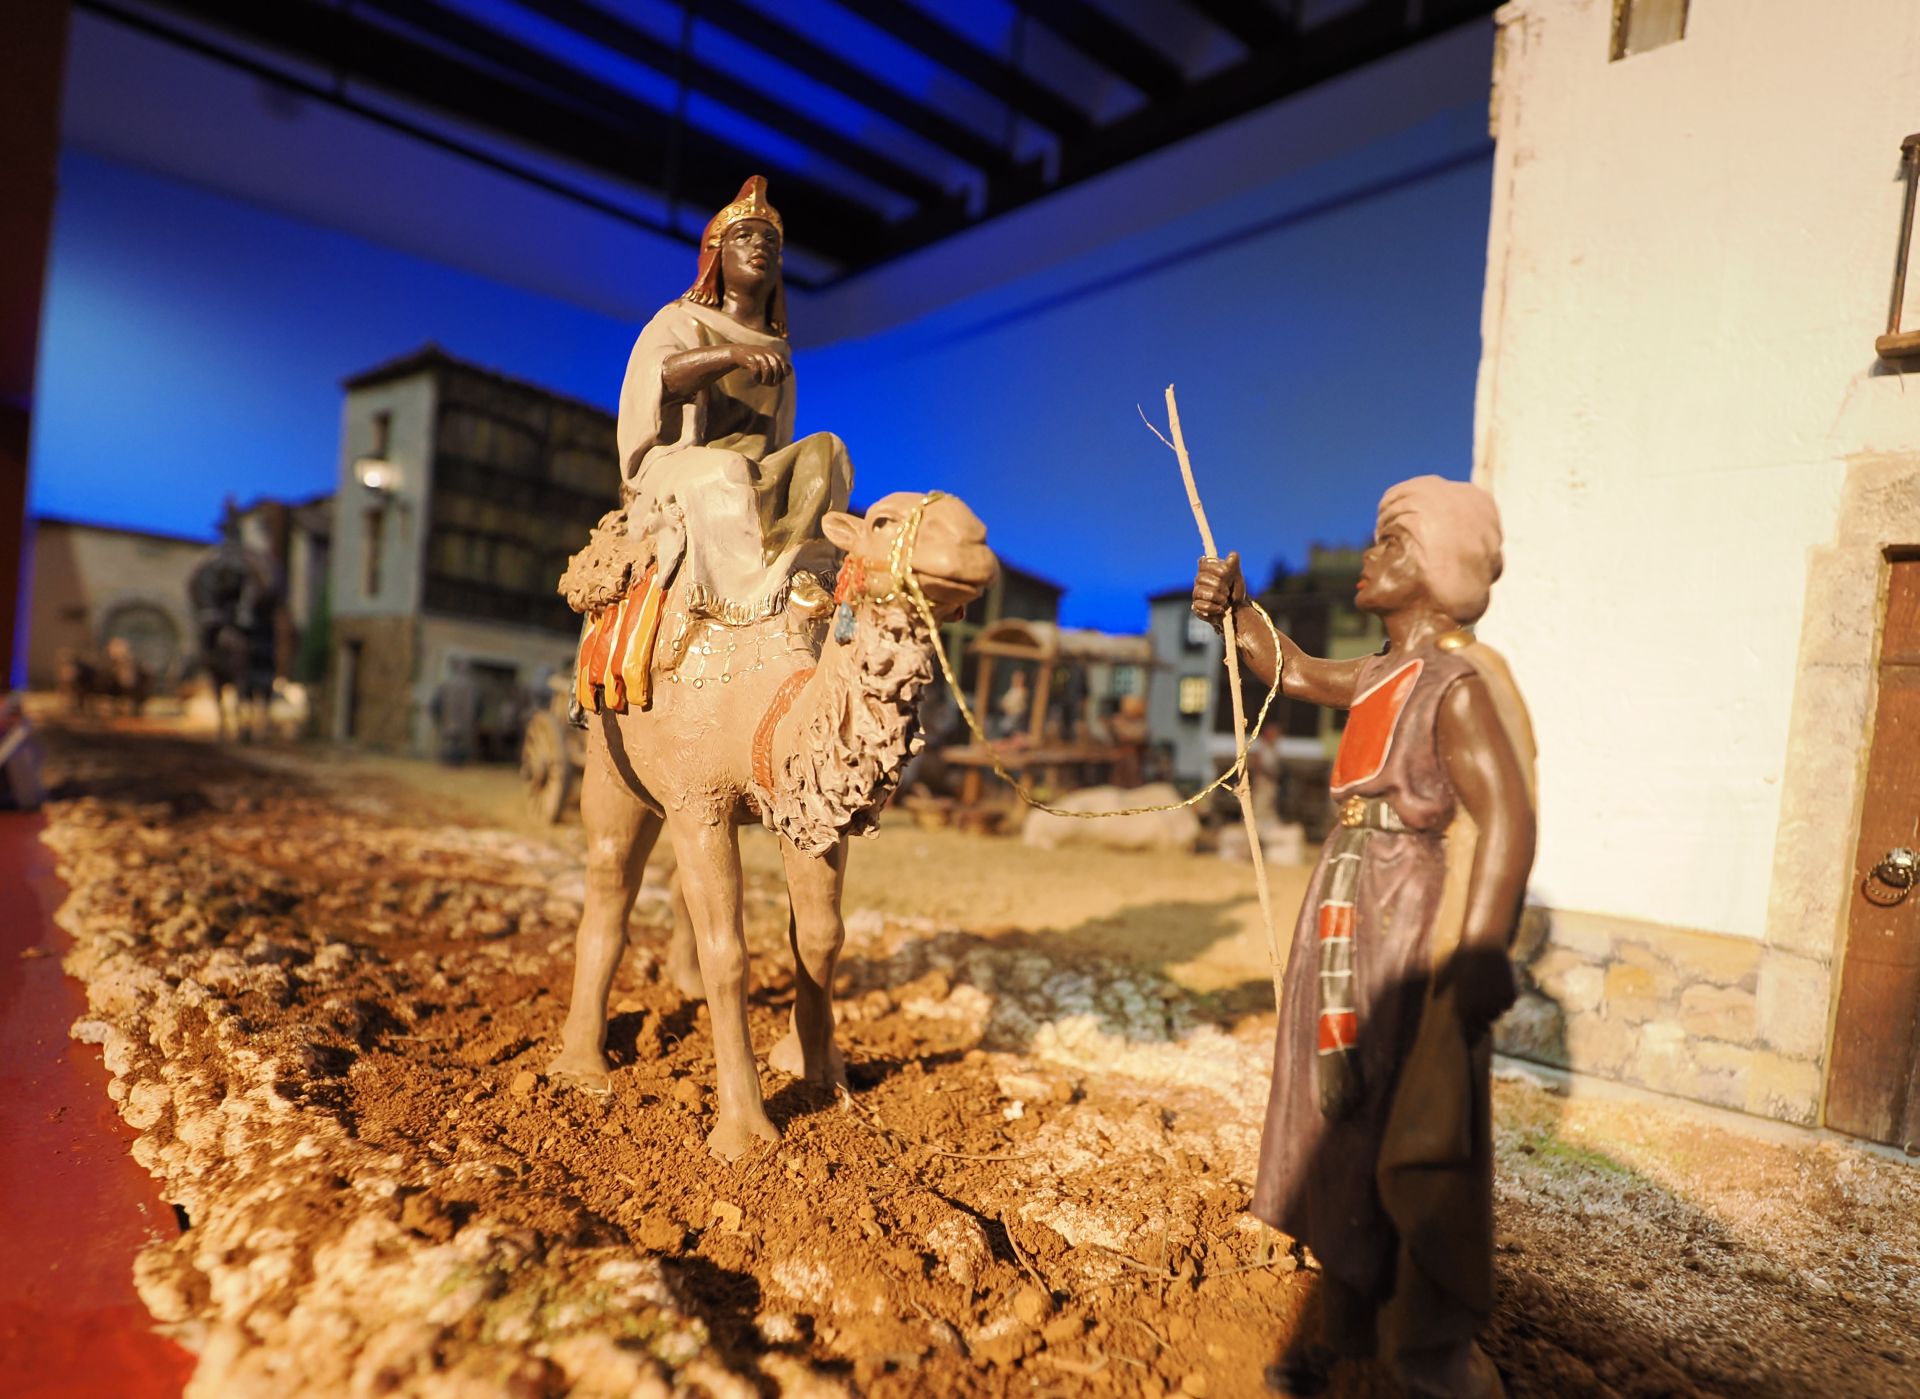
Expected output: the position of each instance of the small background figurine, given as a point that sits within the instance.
(236, 593)
(1377, 1149)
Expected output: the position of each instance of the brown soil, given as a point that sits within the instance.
(327, 1004)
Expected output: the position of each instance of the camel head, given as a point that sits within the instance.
(949, 555)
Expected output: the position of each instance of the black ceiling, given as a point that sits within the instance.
(882, 125)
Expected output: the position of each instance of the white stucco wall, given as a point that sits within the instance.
(1691, 253)
(413, 403)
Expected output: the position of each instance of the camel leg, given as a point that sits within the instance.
(683, 952)
(709, 859)
(816, 934)
(621, 833)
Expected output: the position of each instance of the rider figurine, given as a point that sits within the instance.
(716, 493)
(707, 457)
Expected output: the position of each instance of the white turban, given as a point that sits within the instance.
(1454, 530)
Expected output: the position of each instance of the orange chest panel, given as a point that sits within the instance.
(1370, 724)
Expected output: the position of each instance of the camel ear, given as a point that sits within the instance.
(843, 530)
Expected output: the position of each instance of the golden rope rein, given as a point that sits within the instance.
(900, 564)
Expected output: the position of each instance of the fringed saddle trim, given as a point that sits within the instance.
(614, 669)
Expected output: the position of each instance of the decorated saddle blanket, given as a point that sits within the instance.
(614, 668)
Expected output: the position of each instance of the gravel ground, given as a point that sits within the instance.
(326, 1000)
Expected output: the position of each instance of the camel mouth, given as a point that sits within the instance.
(971, 569)
(949, 592)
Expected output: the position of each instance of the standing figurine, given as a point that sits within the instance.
(1377, 1150)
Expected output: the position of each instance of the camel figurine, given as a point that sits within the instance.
(811, 749)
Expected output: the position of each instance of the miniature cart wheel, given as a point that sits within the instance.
(547, 767)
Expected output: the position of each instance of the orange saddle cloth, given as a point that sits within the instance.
(615, 665)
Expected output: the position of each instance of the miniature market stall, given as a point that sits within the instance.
(1059, 739)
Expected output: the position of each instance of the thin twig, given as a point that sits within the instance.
(944, 1331)
(1148, 1328)
(1127, 1260)
(1246, 1267)
(1014, 1243)
(975, 1156)
(1077, 1367)
(1151, 428)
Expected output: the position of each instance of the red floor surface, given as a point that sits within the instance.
(74, 1208)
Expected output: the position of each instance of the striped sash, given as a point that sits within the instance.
(1336, 1061)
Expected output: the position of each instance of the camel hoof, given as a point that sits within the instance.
(733, 1139)
(790, 1058)
(582, 1073)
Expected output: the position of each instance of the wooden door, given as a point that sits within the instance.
(1872, 1087)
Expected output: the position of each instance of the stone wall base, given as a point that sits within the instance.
(1723, 1020)
(388, 655)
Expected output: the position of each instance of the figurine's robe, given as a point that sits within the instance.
(1395, 1197)
(715, 479)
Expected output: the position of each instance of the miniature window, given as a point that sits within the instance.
(1195, 691)
(1199, 633)
(1639, 25)
(376, 530)
(382, 434)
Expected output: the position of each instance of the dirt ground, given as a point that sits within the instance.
(326, 993)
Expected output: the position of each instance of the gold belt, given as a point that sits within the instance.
(1373, 813)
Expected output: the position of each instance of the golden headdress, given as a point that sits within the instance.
(750, 203)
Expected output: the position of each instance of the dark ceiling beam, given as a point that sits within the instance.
(1364, 35)
(597, 25)
(957, 55)
(1110, 44)
(1252, 22)
(628, 152)
(197, 43)
(796, 51)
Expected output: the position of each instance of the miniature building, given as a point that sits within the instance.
(462, 492)
(1191, 714)
(92, 583)
(1711, 493)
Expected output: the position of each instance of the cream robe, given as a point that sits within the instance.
(716, 479)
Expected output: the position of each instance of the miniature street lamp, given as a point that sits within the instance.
(1896, 343)
(379, 476)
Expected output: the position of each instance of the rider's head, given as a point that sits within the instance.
(739, 234)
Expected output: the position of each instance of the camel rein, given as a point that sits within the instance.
(900, 564)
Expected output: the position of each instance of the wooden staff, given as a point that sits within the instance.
(1242, 788)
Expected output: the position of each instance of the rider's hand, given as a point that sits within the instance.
(1217, 587)
(768, 366)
